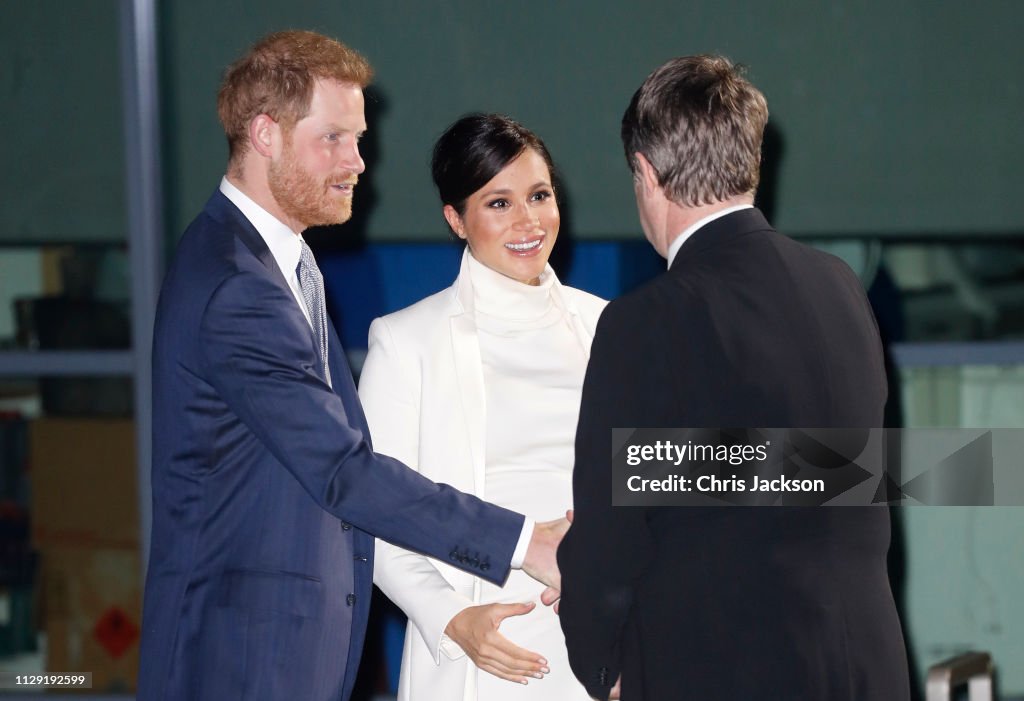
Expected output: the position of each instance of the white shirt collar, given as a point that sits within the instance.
(674, 247)
(284, 244)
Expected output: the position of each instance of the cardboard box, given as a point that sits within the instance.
(93, 605)
(84, 483)
(85, 525)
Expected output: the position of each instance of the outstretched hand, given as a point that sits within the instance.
(553, 593)
(475, 629)
(540, 560)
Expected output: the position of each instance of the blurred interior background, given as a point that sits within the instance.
(895, 142)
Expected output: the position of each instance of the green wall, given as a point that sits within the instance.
(62, 174)
(896, 117)
(965, 574)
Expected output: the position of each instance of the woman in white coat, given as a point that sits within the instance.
(479, 386)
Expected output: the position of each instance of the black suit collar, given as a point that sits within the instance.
(722, 232)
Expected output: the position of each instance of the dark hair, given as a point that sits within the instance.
(476, 148)
(276, 76)
(699, 123)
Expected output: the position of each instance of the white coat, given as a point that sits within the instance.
(422, 389)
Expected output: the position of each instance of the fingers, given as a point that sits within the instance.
(560, 525)
(550, 596)
(499, 612)
(501, 657)
(616, 692)
(475, 629)
(569, 515)
(540, 560)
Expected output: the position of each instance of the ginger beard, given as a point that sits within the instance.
(305, 199)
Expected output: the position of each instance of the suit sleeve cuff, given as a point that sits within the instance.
(519, 554)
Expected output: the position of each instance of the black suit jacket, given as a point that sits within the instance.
(266, 489)
(748, 329)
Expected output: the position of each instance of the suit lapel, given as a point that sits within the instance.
(223, 210)
(343, 385)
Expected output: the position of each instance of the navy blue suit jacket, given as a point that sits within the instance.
(266, 489)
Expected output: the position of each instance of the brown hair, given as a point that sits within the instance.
(699, 123)
(276, 77)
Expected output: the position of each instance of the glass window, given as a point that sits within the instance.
(70, 570)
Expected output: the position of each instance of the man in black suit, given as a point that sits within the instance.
(746, 329)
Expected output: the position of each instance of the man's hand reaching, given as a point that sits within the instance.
(552, 594)
(540, 560)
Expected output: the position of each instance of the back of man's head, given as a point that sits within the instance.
(276, 77)
(699, 123)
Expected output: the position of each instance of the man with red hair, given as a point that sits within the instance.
(266, 491)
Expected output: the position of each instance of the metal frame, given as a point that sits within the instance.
(65, 363)
(913, 355)
(973, 669)
(140, 90)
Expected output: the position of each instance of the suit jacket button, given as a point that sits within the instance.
(484, 566)
(602, 676)
(350, 599)
(361, 558)
(346, 526)
(454, 554)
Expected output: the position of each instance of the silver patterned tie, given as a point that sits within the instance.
(312, 284)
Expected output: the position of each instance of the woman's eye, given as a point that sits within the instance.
(498, 204)
(541, 196)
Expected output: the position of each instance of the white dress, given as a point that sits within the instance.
(479, 386)
(533, 368)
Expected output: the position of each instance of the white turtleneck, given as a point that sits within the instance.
(533, 366)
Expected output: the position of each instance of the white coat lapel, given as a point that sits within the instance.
(584, 335)
(470, 373)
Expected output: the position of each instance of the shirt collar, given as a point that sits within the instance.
(674, 247)
(284, 244)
